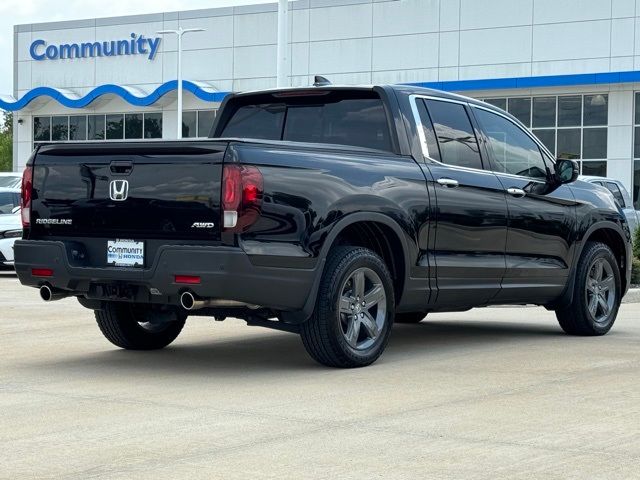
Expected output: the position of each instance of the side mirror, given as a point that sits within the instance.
(566, 171)
(15, 209)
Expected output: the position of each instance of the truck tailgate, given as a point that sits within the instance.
(159, 190)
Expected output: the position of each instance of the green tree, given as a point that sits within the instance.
(6, 142)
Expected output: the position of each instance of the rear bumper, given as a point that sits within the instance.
(225, 272)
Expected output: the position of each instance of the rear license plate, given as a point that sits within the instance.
(125, 253)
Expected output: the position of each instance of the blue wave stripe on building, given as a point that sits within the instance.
(109, 89)
(204, 93)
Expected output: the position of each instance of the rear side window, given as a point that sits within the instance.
(456, 139)
(360, 122)
(617, 194)
(514, 151)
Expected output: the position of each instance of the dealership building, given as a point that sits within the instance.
(569, 70)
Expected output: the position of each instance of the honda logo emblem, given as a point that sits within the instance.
(118, 190)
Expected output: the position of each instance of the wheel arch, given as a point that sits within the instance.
(612, 235)
(376, 231)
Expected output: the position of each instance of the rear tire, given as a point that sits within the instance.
(410, 317)
(596, 295)
(354, 312)
(136, 327)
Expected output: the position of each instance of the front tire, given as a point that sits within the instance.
(354, 312)
(138, 327)
(596, 295)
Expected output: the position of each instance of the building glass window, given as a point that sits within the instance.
(596, 169)
(594, 143)
(568, 143)
(189, 124)
(570, 111)
(60, 129)
(497, 102)
(133, 125)
(635, 188)
(635, 191)
(41, 129)
(95, 127)
(544, 112)
(570, 126)
(521, 109)
(78, 127)
(153, 125)
(596, 109)
(115, 127)
(205, 122)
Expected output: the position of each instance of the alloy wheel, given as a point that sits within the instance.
(362, 308)
(600, 290)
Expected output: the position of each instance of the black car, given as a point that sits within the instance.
(329, 211)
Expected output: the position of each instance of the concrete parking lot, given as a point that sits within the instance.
(491, 393)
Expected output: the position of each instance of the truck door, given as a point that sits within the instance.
(471, 213)
(542, 218)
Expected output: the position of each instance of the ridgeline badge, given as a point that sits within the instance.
(136, 45)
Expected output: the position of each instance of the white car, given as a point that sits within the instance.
(10, 224)
(620, 194)
(10, 180)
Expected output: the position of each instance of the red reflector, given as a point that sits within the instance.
(42, 272)
(189, 279)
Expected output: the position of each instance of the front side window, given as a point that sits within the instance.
(514, 151)
(454, 133)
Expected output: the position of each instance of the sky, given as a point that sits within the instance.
(16, 12)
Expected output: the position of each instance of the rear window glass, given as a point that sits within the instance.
(257, 121)
(359, 122)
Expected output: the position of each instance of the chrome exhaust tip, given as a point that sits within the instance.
(45, 293)
(188, 301)
(49, 294)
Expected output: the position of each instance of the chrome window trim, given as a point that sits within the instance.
(425, 149)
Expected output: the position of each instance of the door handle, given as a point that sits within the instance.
(516, 192)
(448, 182)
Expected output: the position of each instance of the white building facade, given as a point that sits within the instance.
(570, 69)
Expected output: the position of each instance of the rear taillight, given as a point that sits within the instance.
(25, 196)
(241, 196)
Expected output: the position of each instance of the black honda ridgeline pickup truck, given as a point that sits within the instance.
(326, 211)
